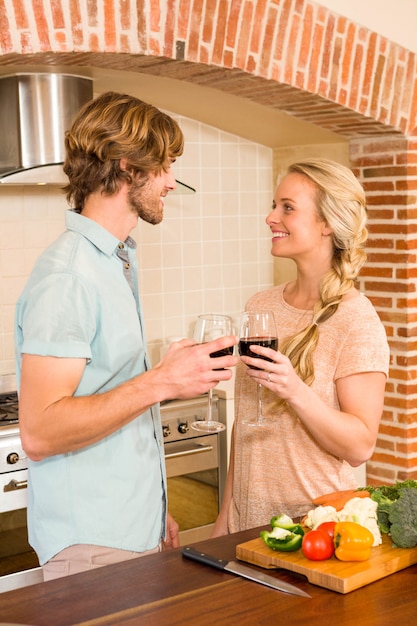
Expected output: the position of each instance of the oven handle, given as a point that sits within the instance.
(14, 485)
(174, 455)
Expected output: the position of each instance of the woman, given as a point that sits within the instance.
(324, 389)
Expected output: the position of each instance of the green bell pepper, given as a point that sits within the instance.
(284, 521)
(283, 540)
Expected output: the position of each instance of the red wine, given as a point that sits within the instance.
(225, 352)
(265, 342)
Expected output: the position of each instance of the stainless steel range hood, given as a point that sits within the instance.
(35, 112)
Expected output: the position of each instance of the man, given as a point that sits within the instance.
(89, 399)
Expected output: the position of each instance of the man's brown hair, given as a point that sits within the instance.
(111, 128)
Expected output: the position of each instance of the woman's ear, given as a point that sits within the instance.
(326, 230)
(123, 164)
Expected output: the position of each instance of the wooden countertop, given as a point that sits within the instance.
(166, 589)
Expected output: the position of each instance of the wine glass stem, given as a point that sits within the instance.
(260, 416)
(210, 406)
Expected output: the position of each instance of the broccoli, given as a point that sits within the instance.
(382, 512)
(392, 492)
(387, 496)
(403, 519)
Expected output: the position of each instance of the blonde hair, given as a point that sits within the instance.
(112, 127)
(341, 204)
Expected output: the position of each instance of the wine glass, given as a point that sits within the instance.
(208, 327)
(257, 328)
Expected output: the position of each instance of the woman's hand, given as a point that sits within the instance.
(276, 373)
(220, 528)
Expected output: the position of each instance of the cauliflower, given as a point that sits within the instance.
(320, 514)
(359, 510)
(363, 512)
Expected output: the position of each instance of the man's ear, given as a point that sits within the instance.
(123, 163)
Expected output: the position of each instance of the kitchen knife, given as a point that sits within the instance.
(234, 567)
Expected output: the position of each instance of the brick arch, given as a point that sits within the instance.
(297, 57)
(302, 59)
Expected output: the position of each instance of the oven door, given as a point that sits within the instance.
(193, 485)
(16, 555)
(13, 490)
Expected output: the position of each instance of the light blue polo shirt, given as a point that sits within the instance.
(78, 303)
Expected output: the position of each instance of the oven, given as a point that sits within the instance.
(15, 552)
(195, 462)
(196, 466)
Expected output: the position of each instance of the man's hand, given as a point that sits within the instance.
(172, 539)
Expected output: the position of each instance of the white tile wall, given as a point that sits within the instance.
(211, 252)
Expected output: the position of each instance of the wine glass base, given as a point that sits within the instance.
(258, 422)
(208, 426)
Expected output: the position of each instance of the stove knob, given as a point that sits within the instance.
(12, 458)
(183, 428)
(165, 430)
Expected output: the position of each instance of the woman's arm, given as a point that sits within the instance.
(221, 525)
(349, 433)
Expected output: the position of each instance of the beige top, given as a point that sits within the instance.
(280, 468)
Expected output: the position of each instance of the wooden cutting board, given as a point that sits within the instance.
(331, 574)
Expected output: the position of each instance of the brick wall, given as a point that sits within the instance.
(298, 57)
(387, 167)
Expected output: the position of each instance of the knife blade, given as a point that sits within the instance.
(234, 567)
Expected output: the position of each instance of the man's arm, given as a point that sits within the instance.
(54, 421)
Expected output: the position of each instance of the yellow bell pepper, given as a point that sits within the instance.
(353, 542)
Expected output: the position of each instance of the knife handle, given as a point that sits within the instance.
(202, 557)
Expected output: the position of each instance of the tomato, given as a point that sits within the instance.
(328, 527)
(317, 545)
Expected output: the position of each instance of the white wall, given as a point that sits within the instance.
(211, 252)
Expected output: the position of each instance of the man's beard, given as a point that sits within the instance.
(144, 199)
